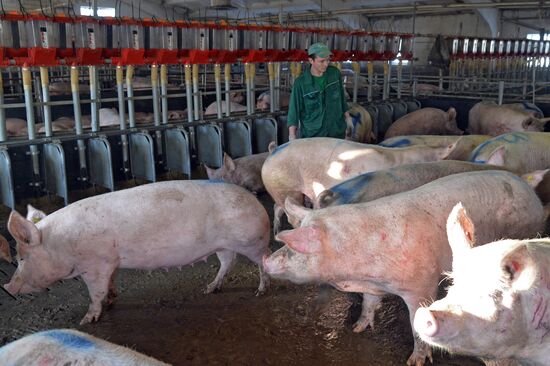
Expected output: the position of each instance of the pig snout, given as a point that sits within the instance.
(274, 264)
(425, 323)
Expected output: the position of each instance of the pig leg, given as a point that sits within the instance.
(227, 259)
(421, 349)
(278, 212)
(502, 362)
(97, 280)
(112, 294)
(256, 255)
(370, 304)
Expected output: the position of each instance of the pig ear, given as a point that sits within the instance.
(272, 146)
(519, 268)
(23, 230)
(460, 230)
(5, 249)
(34, 214)
(210, 172)
(497, 156)
(228, 162)
(450, 148)
(305, 240)
(530, 122)
(325, 198)
(293, 208)
(535, 178)
(451, 113)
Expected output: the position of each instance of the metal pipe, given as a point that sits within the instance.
(164, 93)
(189, 93)
(122, 118)
(130, 92)
(227, 77)
(218, 81)
(277, 98)
(248, 87)
(78, 123)
(271, 74)
(156, 112)
(196, 91)
(370, 72)
(27, 89)
(357, 70)
(252, 67)
(533, 82)
(399, 78)
(500, 92)
(94, 106)
(44, 81)
(3, 132)
(386, 86)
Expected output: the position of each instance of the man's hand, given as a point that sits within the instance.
(292, 133)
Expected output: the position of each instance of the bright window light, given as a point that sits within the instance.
(536, 36)
(102, 12)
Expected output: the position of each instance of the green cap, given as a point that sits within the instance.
(319, 49)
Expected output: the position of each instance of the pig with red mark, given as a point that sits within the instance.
(398, 244)
(157, 225)
(497, 307)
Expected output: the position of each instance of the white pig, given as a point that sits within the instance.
(398, 244)
(212, 109)
(488, 118)
(466, 144)
(498, 305)
(156, 225)
(70, 347)
(309, 166)
(245, 172)
(425, 121)
(16, 127)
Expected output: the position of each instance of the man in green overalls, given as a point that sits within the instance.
(317, 101)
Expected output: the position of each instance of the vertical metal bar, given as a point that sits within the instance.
(94, 105)
(122, 117)
(164, 93)
(252, 87)
(44, 81)
(357, 71)
(386, 86)
(370, 71)
(196, 91)
(440, 85)
(277, 98)
(227, 76)
(189, 93)
(218, 81)
(130, 92)
(271, 74)
(3, 132)
(500, 92)
(78, 123)
(534, 81)
(399, 78)
(156, 111)
(27, 89)
(248, 87)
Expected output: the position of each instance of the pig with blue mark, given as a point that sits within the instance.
(306, 167)
(157, 225)
(398, 244)
(497, 307)
(70, 347)
(464, 144)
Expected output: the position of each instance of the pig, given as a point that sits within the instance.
(16, 127)
(398, 244)
(464, 144)
(496, 307)
(226, 220)
(177, 114)
(263, 102)
(528, 108)
(64, 88)
(520, 152)
(245, 172)
(370, 186)
(359, 125)
(426, 121)
(34, 214)
(290, 170)
(212, 109)
(488, 118)
(70, 347)
(5, 252)
(107, 117)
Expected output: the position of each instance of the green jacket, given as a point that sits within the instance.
(306, 107)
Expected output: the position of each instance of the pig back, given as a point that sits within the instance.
(423, 121)
(163, 216)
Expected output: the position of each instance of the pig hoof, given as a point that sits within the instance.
(419, 358)
(212, 289)
(89, 318)
(361, 325)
